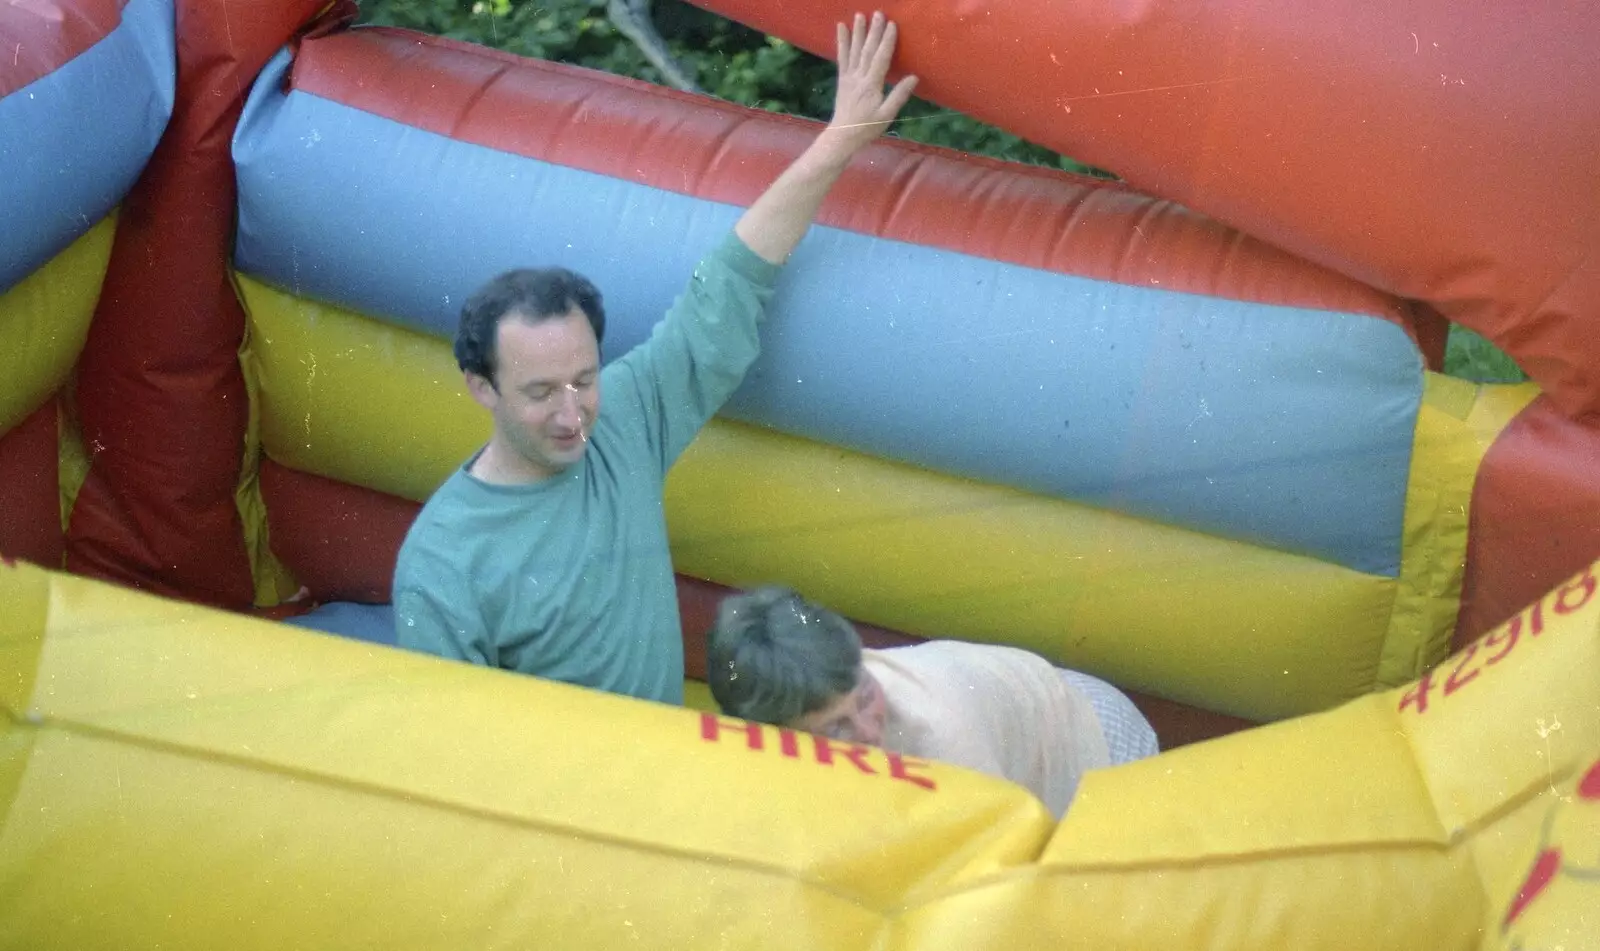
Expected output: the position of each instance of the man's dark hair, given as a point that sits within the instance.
(532, 294)
(773, 657)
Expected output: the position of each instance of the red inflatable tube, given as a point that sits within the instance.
(38, 40)
(1441, 151)
(160, 391)
(30, 507)
(341, 541)
(633, 131)
(1176, 724)
(1535, 516)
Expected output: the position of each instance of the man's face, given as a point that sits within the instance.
(855, 717)
(548, 390)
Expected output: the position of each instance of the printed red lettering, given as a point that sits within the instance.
(1539, 877)
(1508, 636)
(1585, 585)
(898, 768)
(855, 754)
(1536, 619)
(711, 728)
(1417, 696)
(1589, 786)
(1456, 681)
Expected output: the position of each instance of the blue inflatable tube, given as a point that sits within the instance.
(1288, 428)
(74, 141)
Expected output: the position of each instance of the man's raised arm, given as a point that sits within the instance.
(774, 225)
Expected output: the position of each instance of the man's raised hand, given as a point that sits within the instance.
(773, 226)
(861, 108)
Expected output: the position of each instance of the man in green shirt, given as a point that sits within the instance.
(546, 552)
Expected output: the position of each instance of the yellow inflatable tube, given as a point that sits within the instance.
(179, 778)
(1276, 634)
(44, 321)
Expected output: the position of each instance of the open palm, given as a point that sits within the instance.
(861, 107)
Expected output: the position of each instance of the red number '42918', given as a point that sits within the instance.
(1497, 645)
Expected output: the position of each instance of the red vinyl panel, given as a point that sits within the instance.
(1443, 151)
(1535, 519)
(30, 506)
(1176, 724)
(633, 131)
(341, 541)
(41, 37)
(160, 391)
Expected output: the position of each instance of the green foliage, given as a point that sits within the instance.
(726, 59)
(1471, 357)
(566, 30)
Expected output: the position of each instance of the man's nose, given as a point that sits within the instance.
(568, 413)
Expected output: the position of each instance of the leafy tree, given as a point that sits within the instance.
(724, 58)
(1472, 357)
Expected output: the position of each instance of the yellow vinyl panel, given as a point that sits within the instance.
(1503, 723)
(354, 399)
(1456, 424)
(697, 696)
(1215, 623)
(1406, 819)
(44, 321)
(1554, 900)
(173, 776)
(185, 778)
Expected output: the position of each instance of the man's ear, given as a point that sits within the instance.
(482, 390)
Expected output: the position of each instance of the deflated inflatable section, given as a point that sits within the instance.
(1443, 152)
(86, 88)
(168, 501)
(176, 777)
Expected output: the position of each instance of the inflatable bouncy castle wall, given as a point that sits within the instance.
(85, 96)
(1211, 462)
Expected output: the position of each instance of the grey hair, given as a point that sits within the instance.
(773, 657)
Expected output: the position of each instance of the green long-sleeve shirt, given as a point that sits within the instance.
(570, 578)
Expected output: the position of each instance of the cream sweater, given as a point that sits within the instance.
(998, 710)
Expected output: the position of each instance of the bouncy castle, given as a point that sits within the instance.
(1186, 431)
